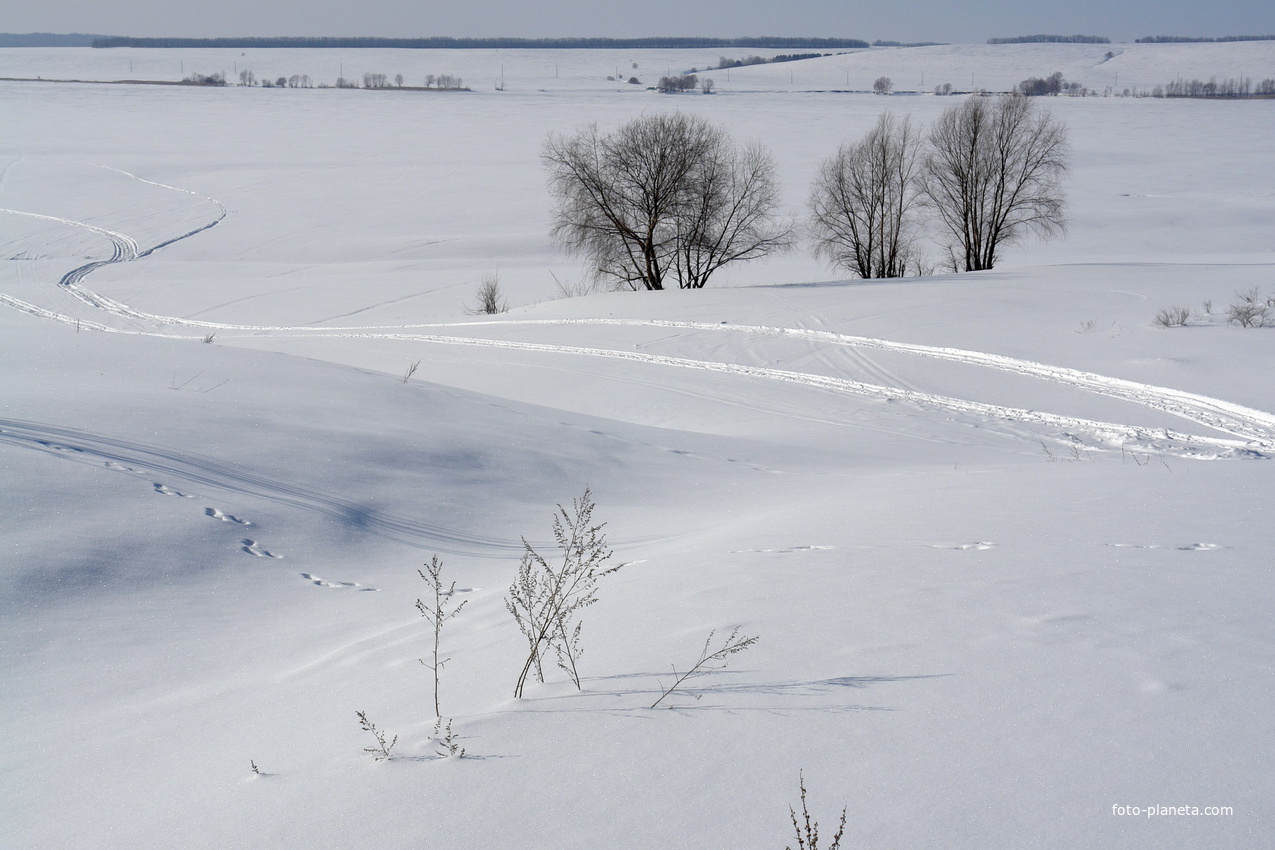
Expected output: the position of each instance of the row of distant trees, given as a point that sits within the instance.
(1051, 39)
(303, 81)
(296, 81)
(443, 42)
(1182, 39)
(724, 62)
(1244, 87)
(667, 200)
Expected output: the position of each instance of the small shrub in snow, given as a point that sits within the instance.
(437, 612)
(445, 743)
(709, 661)
(490, 299)
(547, 598)
(1172, 317)
(808, 830)
(411, 370)
(1252, 310)
(382, 749)
(574, 289)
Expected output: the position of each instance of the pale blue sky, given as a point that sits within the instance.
(957, 21)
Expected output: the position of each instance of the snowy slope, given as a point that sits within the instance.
(1005, 541)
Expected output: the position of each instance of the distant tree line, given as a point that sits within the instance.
(47, 39)
(440, 42)
(880, 43)
(1051, 39)
(724, 62)
(1227, 88)
(1183, 39)
(303, 81)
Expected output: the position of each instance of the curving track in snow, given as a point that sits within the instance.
(124, 249)
(1243, 422)
(1258, 442)
(1253, 431)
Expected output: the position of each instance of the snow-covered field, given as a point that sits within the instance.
(1007, 544)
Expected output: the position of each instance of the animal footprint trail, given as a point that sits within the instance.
(1187, 547)
(224, 517)
(338, 585)
(168, 491)
(119, 467)
(785, 551)
(252, 547)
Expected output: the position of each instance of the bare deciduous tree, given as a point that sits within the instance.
(994, 174)
(664, 198)
(883, 85)
(864, 200)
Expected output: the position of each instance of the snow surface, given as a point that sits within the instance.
(1005, 541)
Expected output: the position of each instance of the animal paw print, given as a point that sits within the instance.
(252, 547)
(338, 585)
(168, 491)
(224, 517)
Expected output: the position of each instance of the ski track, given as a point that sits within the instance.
(1254, 429)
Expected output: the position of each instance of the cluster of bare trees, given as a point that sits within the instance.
(684, 82)
(444, 81)
(296, 81)
(668, 200)
(988, 173)
(198, 79)
(1054, 84)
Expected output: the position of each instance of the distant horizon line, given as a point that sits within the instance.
(449, 42)
(47, 39)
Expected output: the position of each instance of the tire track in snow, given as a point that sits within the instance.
(1247, 423)
(1113, 434)
(1257, 439)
